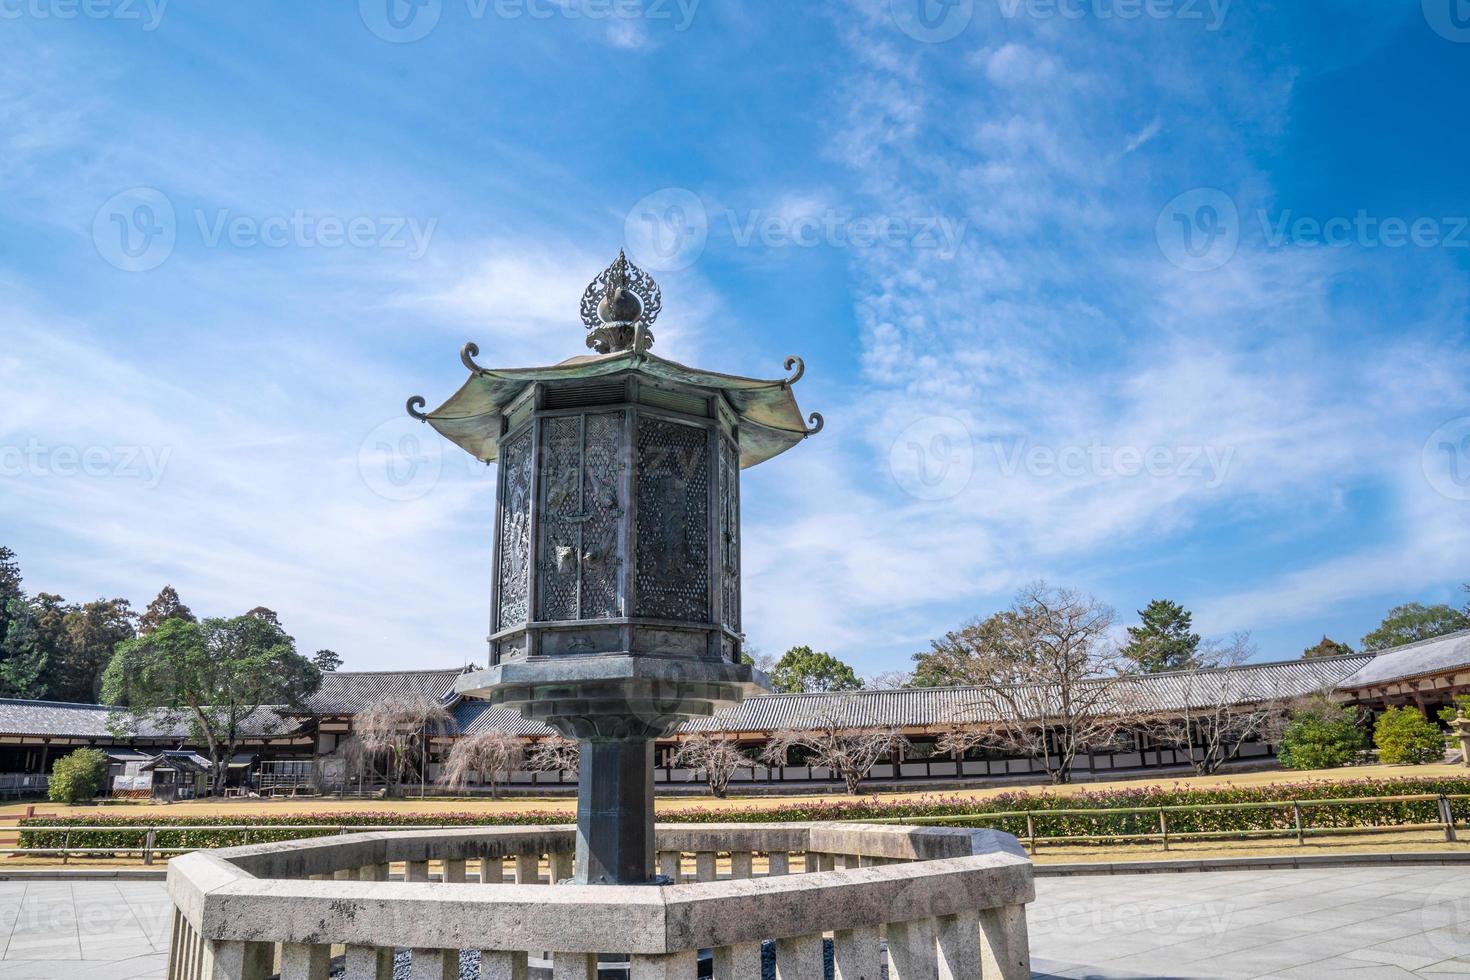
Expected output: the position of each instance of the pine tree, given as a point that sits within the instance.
(326, 661)
(1326, 648)
(1163, 640)
(166, 605)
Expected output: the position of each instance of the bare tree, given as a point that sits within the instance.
(836, 734)
(1047, 680)
(718, 758)
(1220, 709)
(491, 757)
(555, 754)
(399, 731)
(889, 680)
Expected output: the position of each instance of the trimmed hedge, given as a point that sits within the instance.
(48, 832)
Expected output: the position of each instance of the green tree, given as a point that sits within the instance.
(1162, 640)
(217, 674)
(956, 660)
(1414, 621)
(166, 605)
(326, 661)
(90, 634)
(1406, 738)
(78, 777)
(1327, 648)
(24, 660)
(9, 584)
(1321, 735)
(803, 669)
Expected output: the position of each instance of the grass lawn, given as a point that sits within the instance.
(307, 808)
(563, 804)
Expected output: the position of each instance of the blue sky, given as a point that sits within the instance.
(1160, 299)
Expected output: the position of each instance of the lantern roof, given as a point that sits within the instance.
(473, 417)
(618, 309)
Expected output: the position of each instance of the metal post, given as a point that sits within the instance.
(1447, 817)
(615, 813)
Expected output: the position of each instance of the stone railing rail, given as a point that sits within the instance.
(950, 903)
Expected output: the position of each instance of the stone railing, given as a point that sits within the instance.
(931, 903)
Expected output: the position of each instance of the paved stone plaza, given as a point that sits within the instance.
(1352, 922)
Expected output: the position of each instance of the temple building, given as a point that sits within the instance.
(293, 750)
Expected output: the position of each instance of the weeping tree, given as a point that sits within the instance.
(488, 759)
(718, 758)
(399, 731)
(836, 734)
(555, 754)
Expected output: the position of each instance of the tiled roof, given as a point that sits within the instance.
(63, 720)
(950, 705)
(347, 691)
(1440, 654)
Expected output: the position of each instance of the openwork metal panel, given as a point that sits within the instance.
(580, 515)
(513, 604)
(673, 520)
(729, 539)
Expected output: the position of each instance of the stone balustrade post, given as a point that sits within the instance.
(573, 966)
(300, 961)
(857, 954)
(236, 961)
(454, 871)
(911, 950)
(670, 865)
(959, 946)
(492, 871)
(368, 963)
(800, 958)
(496, 965)
(779, 863)
(416, 871)
(668, 966)
(705, 864)
(741, 864)
(528, 869)
(1005, 949)
(434, 964)
(563, 866)
(739, 962)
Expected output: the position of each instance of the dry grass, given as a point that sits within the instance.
(565, 804)
(309, 807)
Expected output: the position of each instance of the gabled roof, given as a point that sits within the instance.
(61, 720)
(347, 692)
(1433, 656)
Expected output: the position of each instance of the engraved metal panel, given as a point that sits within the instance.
(581, 516)
(729, 539)
(673, 477)
(514, 573)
